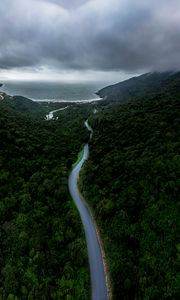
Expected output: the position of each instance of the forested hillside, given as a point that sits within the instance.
(132, 181)
(43, 252)
(167, 83)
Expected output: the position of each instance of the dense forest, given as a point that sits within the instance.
(43, 252)
(131, 181)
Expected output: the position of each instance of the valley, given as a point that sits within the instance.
(130, 182)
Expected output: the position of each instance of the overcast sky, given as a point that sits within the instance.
(88, 39)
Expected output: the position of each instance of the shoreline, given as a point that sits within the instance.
(67, 101)
(54, 100)
(83, 101)
(78, 101)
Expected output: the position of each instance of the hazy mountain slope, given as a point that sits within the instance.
(142, 86)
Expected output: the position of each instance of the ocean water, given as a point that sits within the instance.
(53, 91)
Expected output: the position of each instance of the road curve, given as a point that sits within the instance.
(50, 115)
(98, 281)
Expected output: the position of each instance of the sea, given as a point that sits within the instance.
(54, 91)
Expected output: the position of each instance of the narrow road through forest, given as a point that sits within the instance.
(50, 115)
(98, 281)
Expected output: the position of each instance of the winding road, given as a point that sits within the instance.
(98, 278)
(1, 97)
(50, 115)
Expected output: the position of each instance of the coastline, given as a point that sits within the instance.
(53, 92)
(68, 101)
(83, 101)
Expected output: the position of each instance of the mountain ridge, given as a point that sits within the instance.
(142, 86)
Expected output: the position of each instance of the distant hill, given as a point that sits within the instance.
(22, 106)
(146, 85)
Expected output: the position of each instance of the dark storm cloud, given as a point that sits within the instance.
(128, 35)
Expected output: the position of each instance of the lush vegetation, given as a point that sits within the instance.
(132, 182)
(43, 252)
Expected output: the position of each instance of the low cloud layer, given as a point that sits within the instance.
(101, 35)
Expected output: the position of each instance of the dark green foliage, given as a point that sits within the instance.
(42, 245)
(21, 105)
(132, 182)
